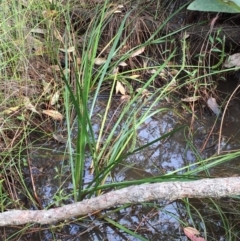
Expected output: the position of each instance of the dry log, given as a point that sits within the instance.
(167, 191)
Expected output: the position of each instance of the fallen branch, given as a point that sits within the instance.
(168, 191)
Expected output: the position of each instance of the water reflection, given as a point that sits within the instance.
(156, 220)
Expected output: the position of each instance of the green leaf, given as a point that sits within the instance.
(226, 6)
(237, 2)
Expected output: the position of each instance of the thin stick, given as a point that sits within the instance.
(221, 125)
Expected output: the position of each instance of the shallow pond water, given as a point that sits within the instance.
(157, 220)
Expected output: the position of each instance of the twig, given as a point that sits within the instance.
(221, 125)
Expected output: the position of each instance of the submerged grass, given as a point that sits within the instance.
(38, 36)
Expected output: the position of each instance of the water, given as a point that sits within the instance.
(157, 220)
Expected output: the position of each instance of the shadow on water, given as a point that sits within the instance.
(155, 220)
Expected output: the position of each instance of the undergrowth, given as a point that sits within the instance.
(57, 59)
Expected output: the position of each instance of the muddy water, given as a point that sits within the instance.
(157, 221)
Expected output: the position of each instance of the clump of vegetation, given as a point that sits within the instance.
(57, 59)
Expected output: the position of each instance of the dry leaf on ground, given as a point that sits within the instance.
(69, 50)
(59, 138)
(192, 234)
(122, 63)
(115, 71)
(100, 61)
(213, 105)
(47, 87)
(38, 30)
(49, 13)
(191, 99)
(120, 88)
(34, 43)
(54, 114)
(138, 52)
(11, 110)
(119, 7)
(55, 98)
(55, 67)
(125, 98)
(57, 35)
(134, 76)
(66, 71)
(142, 91)
(28, 105)
(232, 61)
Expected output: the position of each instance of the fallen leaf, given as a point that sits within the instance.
(69, 50)
(151, 71)
(119, 7)
(66, 71)
(99, 61)
(185, 35)
(232, 61)
(191, 230)
(59, 138)
(122, 64)
(58, 35)
(55, 67)
(49, 13)
(115, 70)
(174, 72)
(138, 52)
(172, 85)
(11, 110)
(28, 105)
(120, 88)
(134, 76)
(47, 87)
(191, 99)
(125, 98)
(213, 105)
(53, 113)
(35, 44)
(192, 234)
(142, 91)
(39, 30)
(55, 98)
(163, 74)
